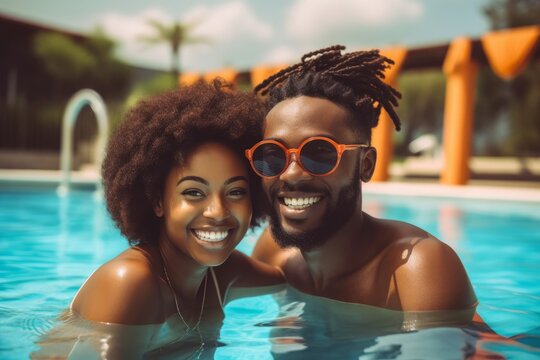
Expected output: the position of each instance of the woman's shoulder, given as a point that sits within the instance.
(125, 290)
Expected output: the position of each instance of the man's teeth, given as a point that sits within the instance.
(211, 235)
(301, 203)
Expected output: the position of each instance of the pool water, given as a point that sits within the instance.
(50, 244)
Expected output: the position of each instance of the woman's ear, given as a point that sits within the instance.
(369, 159)
(158, 209)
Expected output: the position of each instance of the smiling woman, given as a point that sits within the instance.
(179, 189)
(206, 205)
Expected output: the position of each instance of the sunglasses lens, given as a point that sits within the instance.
(269, 159)
(319, 156)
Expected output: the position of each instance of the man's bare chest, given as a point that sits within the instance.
(367, 286)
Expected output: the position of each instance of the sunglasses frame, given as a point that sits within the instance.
(340, 149)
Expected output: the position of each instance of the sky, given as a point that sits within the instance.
(247, 33)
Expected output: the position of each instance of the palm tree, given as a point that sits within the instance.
(176, 35)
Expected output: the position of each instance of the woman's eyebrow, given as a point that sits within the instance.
(193, 178)
(236, 178)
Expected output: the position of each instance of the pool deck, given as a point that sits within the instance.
(45, 177)
(481, 190)
(492, 190)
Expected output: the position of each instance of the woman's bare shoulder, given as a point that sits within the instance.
(125, 290)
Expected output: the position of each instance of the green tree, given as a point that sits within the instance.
(153, 86)
(176, 35)
(63, 58)
(67, 64)
(110, 76)
(87, 62)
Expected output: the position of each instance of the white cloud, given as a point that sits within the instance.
(222, 25)
(309, 19)
(125, 28)
(282, 55)
(226, 22)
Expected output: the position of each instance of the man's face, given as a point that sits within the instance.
(332, 199)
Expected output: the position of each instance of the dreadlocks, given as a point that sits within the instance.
(353, 80)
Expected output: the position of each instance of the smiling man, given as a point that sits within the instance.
(314, 157)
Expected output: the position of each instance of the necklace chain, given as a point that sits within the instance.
(196, 326)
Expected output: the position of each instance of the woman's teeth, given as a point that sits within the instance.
(301, 203)
(212, 236)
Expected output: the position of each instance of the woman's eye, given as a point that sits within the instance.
(193, 193)
(237, 193)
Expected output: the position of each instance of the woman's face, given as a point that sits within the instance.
(206, 205)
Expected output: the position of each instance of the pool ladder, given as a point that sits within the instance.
(75, 104)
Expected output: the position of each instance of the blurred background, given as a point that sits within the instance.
(128, 50)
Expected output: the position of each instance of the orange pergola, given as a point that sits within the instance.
(507, 53)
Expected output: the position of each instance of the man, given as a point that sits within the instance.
(314, 157)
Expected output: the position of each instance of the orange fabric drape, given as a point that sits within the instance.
(382, 136)
(508, 51)
(461, 73)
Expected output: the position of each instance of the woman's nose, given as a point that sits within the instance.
(217, 209)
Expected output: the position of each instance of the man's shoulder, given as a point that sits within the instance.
(401, 238)
(413, 252)
(426, 273)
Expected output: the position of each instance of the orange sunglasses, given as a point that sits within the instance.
(318, 155)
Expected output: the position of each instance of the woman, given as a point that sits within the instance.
(178, 187)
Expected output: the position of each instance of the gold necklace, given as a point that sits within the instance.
(189, 328)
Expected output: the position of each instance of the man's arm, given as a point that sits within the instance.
(268, 251)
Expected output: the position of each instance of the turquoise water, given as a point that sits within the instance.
(49, 245)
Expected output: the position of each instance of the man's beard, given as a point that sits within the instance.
(334, 219)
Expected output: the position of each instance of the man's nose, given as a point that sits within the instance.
(217, 209)
(294, 173)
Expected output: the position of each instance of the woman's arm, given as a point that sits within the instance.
(246, 276)
(268, 251)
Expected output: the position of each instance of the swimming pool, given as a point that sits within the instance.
(49, 245)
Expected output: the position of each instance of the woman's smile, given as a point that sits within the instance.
(213, 238)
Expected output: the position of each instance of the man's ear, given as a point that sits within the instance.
(158, 209)
(369, 159)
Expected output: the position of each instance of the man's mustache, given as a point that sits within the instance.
(285, 187)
